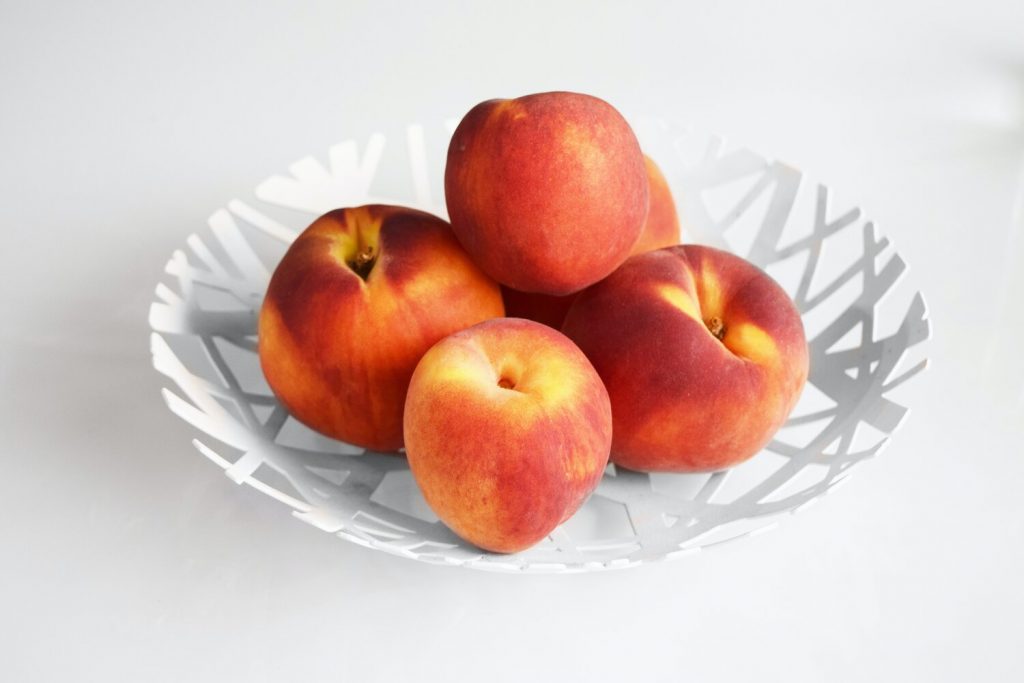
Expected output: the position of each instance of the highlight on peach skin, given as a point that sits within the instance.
(507, 431)
(702, 365)
(547, 192)
(357, 299)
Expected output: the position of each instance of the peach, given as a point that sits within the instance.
(357, 299)
(548, 192)
(703, 355)
(661, 229)
(507, 431)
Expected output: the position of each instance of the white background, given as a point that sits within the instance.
(126, 556)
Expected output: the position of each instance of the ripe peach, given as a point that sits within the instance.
(661, 229)
(703, 355)
(548, 192)
(358, 298)
(507, 431)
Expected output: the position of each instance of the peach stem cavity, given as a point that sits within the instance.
(363, 262)
(716, 327)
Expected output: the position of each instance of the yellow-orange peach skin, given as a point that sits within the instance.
(548, 192)
(703, 355)
(507, 431)
(358, 298)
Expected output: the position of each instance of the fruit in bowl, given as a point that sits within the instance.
(357, 299)
(703, 355)
(548, 193)
(507, 431)
(382, 326)
(661, 229)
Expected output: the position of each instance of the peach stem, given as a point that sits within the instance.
(716, 327)
(363, 262)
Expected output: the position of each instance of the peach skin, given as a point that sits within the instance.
(548, 192)
(358, 298)
(703, 355)
(661, 229)
(507, 431)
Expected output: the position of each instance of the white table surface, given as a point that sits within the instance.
(128, 557)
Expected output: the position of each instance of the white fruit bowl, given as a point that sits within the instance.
(864, 324)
